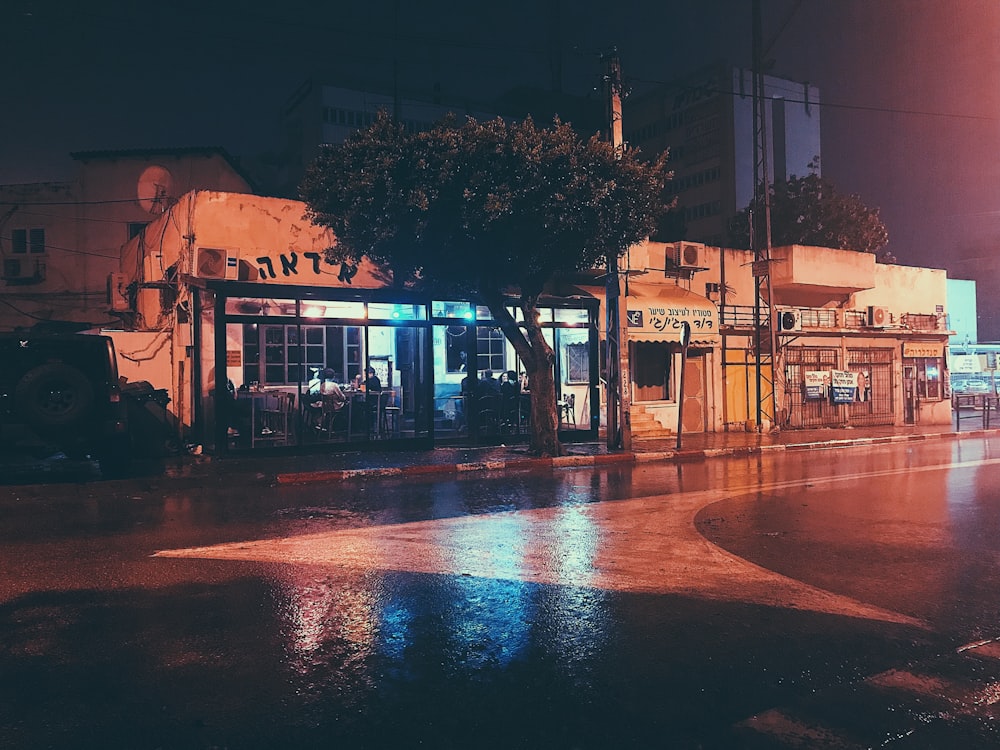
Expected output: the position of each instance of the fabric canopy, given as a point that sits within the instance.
(657, 312)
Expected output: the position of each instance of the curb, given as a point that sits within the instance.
(629, 457)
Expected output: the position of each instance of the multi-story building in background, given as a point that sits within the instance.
(319, 113)
(706, 120)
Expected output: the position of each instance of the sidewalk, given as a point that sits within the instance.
(332, 467)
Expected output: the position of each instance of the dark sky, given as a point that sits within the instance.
(911, 88)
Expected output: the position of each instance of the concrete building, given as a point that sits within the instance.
(840, 317)
(706, 120)
(60, 241)
(240, 314)
(318, 113)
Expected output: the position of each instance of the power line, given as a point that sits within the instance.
(829, 105)
(63, 249)
(66, 203)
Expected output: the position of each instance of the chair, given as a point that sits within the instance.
(330, 415)
(489, 414)
(389, 418)
(567, 410)
(276, 407)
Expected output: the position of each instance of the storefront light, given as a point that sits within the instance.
(314, 311)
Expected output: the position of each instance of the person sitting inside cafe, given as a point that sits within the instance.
(331, 398)
(373, 389)
(489, 385)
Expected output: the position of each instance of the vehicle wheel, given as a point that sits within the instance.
(54, 395)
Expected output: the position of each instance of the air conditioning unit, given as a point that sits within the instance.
(788, 320)
(689, 255)
(216, 263)
(22, 270)
(878, 317)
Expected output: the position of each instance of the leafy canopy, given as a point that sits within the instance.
(482, 206)
(810, 211)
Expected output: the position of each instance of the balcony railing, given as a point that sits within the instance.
(743, 316)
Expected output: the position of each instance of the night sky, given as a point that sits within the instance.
(911, 116)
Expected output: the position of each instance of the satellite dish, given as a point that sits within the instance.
(154, 189)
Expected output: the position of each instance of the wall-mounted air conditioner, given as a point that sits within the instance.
(688, 255)
(216, 263)
(878, 317)
(788, 320)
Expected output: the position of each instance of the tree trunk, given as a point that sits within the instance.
(544, 416)
(538, 359)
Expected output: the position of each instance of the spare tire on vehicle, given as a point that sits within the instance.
(54, 395)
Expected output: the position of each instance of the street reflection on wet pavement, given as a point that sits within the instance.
(844, 598)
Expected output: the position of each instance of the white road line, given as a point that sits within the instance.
(647, 544)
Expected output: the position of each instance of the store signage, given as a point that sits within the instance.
(845, 386)
(964, 363)
(922, 349)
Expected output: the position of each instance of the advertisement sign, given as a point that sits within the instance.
(817, 383)
(845, 386)
(965, 363)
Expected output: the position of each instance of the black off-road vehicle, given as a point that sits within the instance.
(62, 392)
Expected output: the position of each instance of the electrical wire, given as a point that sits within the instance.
(74, 251)
(828, 105)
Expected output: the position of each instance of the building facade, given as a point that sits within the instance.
(264, 344)
(245, 323)
(60, 242)
(858, 342)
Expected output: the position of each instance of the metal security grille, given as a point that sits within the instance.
(812, 412)
(875, 392)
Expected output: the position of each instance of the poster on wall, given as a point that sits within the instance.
(817, 383)
(845, 386)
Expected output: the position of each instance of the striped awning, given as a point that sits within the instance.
(655, 312)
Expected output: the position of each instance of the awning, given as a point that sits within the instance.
(657, 312)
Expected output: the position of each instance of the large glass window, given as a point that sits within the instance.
(279, 354)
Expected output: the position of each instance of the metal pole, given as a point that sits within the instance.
(685, 338)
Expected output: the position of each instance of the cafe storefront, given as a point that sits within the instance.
(271, 347)
(432, 360)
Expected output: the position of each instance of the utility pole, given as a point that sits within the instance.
(619, 430)
(765, 349)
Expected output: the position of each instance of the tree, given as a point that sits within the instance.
(810, 211)
(489, 209)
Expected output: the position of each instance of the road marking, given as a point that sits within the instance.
(647, 544)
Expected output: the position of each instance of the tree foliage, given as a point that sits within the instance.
(487, 209)
(810, 211)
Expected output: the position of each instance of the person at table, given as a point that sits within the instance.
(510, 393)
(331, 398)
(372, 382)
(373, 389)
(489, 385)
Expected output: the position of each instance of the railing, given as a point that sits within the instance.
(921, 322)
(744, 316)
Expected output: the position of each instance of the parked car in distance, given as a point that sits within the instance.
(62, 392)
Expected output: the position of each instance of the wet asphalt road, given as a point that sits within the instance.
(840, 598)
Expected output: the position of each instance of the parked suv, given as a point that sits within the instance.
(61, 391)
